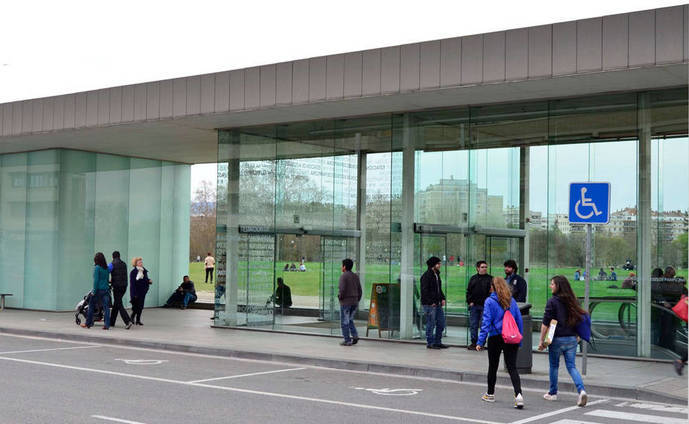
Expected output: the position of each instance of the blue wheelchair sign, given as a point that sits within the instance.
(589, 203)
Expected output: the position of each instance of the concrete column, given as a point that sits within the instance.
(361, 214)
(407, 224)
(524, 214)
(643, 228)
(232, 231)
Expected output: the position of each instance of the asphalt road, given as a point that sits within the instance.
(55, 381)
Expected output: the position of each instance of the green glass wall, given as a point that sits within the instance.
(59, 207)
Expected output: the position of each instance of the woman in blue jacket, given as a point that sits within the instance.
(499, 301)
(100, 292)
(138, 282)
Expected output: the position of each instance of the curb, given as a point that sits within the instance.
(635, 393)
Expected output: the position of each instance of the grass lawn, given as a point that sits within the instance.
(308, 284)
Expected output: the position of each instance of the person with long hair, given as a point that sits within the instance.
(494, 308)
(100, 293)
(139, 282)
(564, 307)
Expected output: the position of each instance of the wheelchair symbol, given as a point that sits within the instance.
(585, 201)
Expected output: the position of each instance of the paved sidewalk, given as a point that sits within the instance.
(190, 331)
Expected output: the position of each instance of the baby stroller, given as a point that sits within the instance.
(82, 308)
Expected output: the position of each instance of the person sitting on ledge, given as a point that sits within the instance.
(184, 295)
(283, 295)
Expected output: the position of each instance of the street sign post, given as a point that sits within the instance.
(589, 203)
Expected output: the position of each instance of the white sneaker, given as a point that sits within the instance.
(583, 397)
(548, 396)
(519, 401)
(488, 398)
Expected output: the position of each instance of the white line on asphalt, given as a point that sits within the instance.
(566, 421)
(48, 350)
(644, 418)
(253, 392)
(557, 412)
(117, 420)
(244, 375)
(649, 406)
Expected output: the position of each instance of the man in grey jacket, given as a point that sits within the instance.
(349, 295)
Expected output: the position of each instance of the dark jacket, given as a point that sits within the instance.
(283, 296)
(118, 274)
(491, 322)
(349, 289)
(100, 278)
(138, 288)
(431, 288)
(478, 289)
(555, 309)
(187, 287)
(518, 286)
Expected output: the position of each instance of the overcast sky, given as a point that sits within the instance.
(57, 47)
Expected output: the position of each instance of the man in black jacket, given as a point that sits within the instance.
(478, 291)
(433, 301)
(515, 281)
(118, 280)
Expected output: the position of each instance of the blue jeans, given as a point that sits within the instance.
(566, 346)
(189, 297)
(347, 313)
(102, 298)
(475, 315)
(435, 318)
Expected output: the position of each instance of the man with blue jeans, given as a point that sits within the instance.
(349, 294)
(478, 291)
(433, 301)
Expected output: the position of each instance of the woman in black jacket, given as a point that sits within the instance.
(138, 282)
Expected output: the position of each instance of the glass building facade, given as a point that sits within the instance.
(59, 207)
(486, 182)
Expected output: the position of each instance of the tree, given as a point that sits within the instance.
(202, 225)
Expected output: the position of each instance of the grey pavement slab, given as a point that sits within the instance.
(190, 330)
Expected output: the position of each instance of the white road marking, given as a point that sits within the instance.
(117, 420)
(48, 350)
(573, 422)
(654, 407)
(143, 361)
(644, 418)
(244, 375)
(557, 412)
(391, 392)
(253, 392)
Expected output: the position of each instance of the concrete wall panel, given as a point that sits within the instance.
(472, 59)
(91, 109)
(153, 100)
(300, 81)
(615, 41)
(334, 77)
(589, 45)
(686, 32)
(115, 99)
(642, 38)
(517, 54)
(70, 111)
(207, 93)
(564, 48)
(237, 90)
(267, 93)
(48, 114)
(410, 67)
(283, 83)
(222, 92)
(353, 68)
(179, 97)
(17, 118)
(371, 72)
(103, 107)
(80, 110)
(252, 88)
(140, 102)
(317, 70)
(27, 116)
(59, 113)
(390, 70)
(669, 34)
(5, 122)
(166, 99)
(494, 57)
(450, 62)
(37, 119)
(540, 51)
(429, 71)
(193, 95)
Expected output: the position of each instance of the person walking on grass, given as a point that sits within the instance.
(101, 292)
(478, 291)
(118, 281)
(500, 301)
(433, 302)
(349, 294)
(563, 307)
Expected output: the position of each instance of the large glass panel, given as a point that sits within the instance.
(13, 190)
